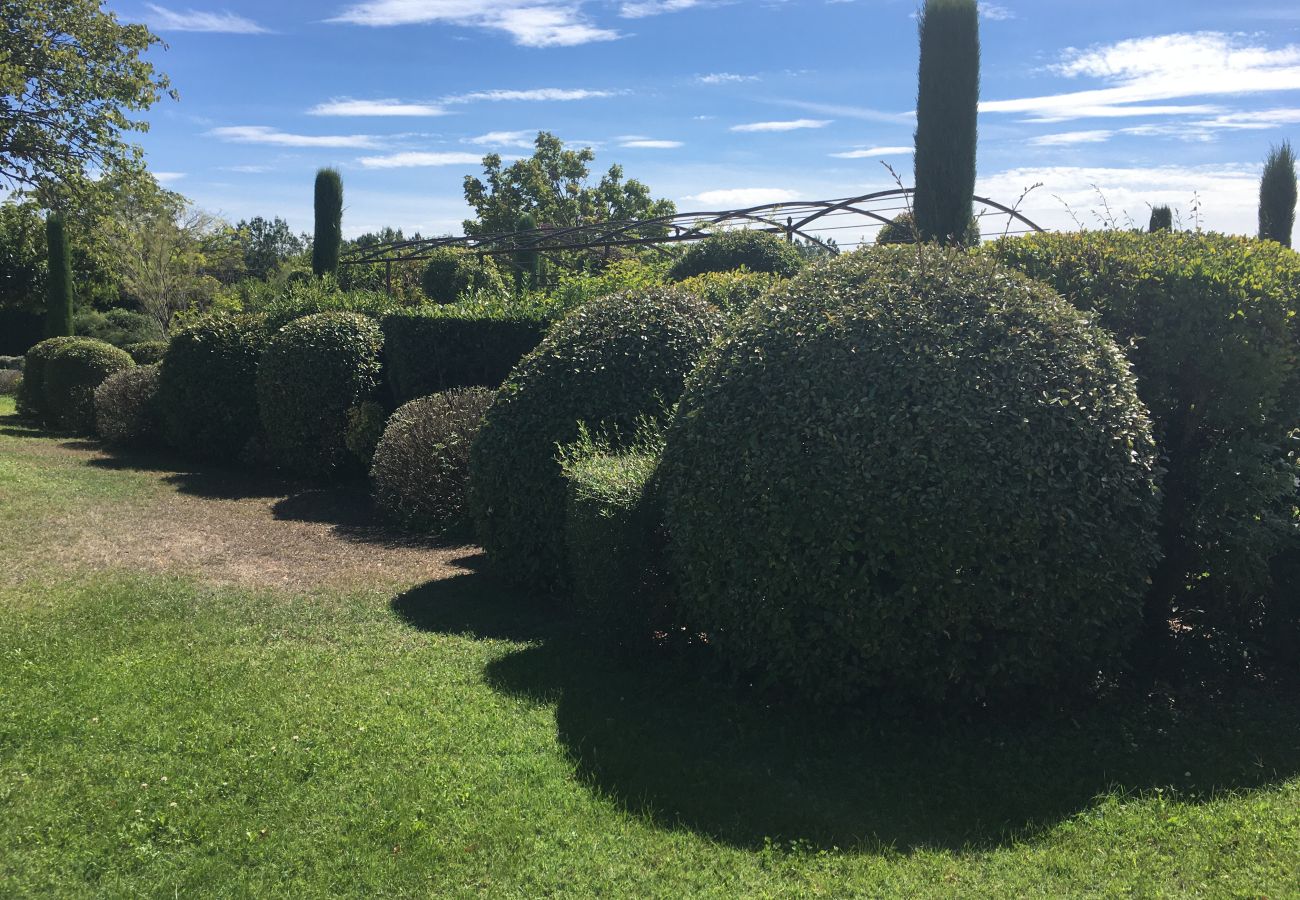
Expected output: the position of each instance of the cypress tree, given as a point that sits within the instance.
(58, 288)
(528, 263)
(1277, 195)
(946, 119)
(329, 222)
(1162, 219)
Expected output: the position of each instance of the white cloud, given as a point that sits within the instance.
(1252, 120)
(1069, 138)
(995, 13)
(165, 19)
(346, 106)
(415, 159)
(644, 8)
(724, 78)
(246, 170)
(503, 139)
(650, 144)
(1168, 67)
(792, 125)
(262, 134)
(168, 177)
(531, 95)
(873, 152)
(532, 23)
(743, 197)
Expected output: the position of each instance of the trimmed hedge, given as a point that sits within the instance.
(912, 470)
(147, 353)
(312, 372)
(608, 364)
(126, 407)
(207, 386)
(451, 274)
(902, 230)
(757, 251)
(420, 473)
(71, 375)
(31, 393)
(1213, 337)
(731, 292)
(11, 362)
(465, 345)
(366, 423)
(11, 382)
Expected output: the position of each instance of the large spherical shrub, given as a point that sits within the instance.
(420, 472)
(450, 274)
(606, 364)
(916, 471)
(71, 376)
(730, 292)
(757, 251)
(146, 353)
(312, 372)
(31, 393)
(207, 386)
(126, 407)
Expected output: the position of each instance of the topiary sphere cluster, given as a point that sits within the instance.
(757, 251)
(126, 407)
(450, 274)
(207, 386)
(913, 470)
(71, 376)
(312, 372)
(606, 364)
(420, 473)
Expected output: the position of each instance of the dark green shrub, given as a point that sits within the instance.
(312, 372)
(1212, 337)
(71, 375)
(914, 470)
(607, 364)
(902, 230)
(31, 395)
(126, 407)
(207, 386)
(731, 292)
(11, 362)
(20, 330)
(11, 382)
(147, 353)
(329, 222)
(420, 473)
(58, 284)
(451, 274)
(461, 345)
(365, 426)
(757, 251)
(947, 102)
(1162, 219)
(117, 326)
(318, 295)
(1277, 195)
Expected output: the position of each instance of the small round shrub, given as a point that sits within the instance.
(312, 372)
(608, 364)
(147, 353)
(71, 376)
(366, 423)
(207, 386)
(420, 472)
(902, 230)
(731, 292)
(914, 470)
(31, 395)
(11, 382)
(757, 251)
(126, 407)
(450, 274)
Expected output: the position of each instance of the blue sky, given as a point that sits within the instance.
(713, 103)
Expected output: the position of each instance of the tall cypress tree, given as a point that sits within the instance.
(329, 222)
(1162, 219)
(947, 106)
(1277, 195)
(528, 263)
(58, 288)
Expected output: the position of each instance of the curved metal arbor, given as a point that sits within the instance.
(814, 221)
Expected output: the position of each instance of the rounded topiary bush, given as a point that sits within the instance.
(917, 471)
(126, 407)
(757, 251)
(420, 472)
(31, 393)
(312, 372)
(731, 292)
(207, 386)
(146, 353)
(71, 376)
(450, 274)
(902, 230)
(607, 364)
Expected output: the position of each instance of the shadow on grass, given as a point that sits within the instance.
(662, 740)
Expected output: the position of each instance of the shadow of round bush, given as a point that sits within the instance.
(126, 408)
(312, 372)
(757, 251)
(71, 376)
(917, 471)
(420, 472)
(607, 364)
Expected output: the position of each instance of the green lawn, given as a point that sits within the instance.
(160, 736)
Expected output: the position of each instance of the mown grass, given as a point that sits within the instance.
(163, 737)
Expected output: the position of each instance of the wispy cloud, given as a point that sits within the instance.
(643, 8)
(346, 106)
(531, 95)
(503, 139)
(1144, 71)
(247, 170)
(262, 134)
(849, 112)
(995, 13)
(724, 78)
(640, 143)
(741, 197)
(416, 159)
(791, 125)
(1069, 138)
(873, 152)
(165, 19)
(168, 177)
(531, 23)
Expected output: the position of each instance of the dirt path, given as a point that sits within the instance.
(232, 527)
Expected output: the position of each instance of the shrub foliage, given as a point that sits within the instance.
(31, 394)
(71, 376)
(126, 407)
(731, 292)
(757, 251)
(146, 353)
(451, 274)
(917, 470)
